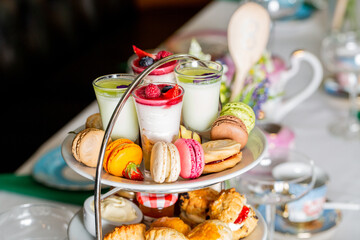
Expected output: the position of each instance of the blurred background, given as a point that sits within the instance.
(51, 50)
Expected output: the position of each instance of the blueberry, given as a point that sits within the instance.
(146, 61)
(122, 86)
(166, 88)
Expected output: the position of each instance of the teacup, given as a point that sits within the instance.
(276, 108)
(278, 136)
(310, 206)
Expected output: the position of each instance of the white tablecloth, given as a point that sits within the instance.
(338, 157)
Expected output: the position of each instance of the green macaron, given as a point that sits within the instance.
(242, 111)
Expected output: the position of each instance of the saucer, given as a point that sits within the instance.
(52, 170)
(325, 225)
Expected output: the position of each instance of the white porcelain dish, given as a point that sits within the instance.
(253, 152)
(35, 221)
(107, 225)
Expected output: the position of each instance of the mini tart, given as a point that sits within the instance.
(231, 208)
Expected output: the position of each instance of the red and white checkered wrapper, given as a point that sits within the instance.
(154, 200)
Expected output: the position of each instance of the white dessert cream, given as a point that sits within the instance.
(116, 209)
(202, 91)
(159, 117)
(108, 92)
(201, 104)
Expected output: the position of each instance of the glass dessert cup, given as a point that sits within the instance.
(108, 90)
(281, 177)
(159, 118)
(164, 73)
(201, 81)
(341, 53)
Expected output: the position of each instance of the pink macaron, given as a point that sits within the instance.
(191, 157)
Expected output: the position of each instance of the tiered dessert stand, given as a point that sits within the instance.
(252, 154)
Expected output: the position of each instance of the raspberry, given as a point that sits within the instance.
(162, 54)
(152, 91)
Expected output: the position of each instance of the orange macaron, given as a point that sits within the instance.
(119, 153)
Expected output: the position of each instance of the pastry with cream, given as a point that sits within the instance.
(231, 208)
(195, 204)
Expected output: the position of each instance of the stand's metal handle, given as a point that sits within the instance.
(110, 127)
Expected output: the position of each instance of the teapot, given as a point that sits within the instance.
(275, 108)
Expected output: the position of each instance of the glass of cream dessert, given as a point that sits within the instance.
(201, 81)
(108, 90)
(142, 60)
(158, 107)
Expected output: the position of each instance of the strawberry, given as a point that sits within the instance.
(140, 53)
(132, 171)
(171, 93)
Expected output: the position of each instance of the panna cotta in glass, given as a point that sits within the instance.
(142, 60)
(158, 107)
(201, 81)
(108, 90)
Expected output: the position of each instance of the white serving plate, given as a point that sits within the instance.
(77, 230)
(253, 152)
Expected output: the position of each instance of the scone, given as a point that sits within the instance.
(211, 230)
(230, 207)
(163, 233)
(195, 204)
(172, 222)
(94, 121)
(132, 231)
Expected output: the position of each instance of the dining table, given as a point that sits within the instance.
(338, 157)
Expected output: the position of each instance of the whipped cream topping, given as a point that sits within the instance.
(116, 209)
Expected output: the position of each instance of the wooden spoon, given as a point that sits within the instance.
(248, 34)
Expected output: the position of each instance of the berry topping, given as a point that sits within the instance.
(146, 61)
(122, 86)
(166, 88)
(140, 53)
(173, 92)
(162, 54)
(152, 91)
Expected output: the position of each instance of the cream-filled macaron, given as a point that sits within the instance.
(164, 162)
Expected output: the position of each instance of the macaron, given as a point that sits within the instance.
(86, 146)
(229, 127)
(119, 153)
(242, 111)
(220, 155)
(164, 162)
(191, 158)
